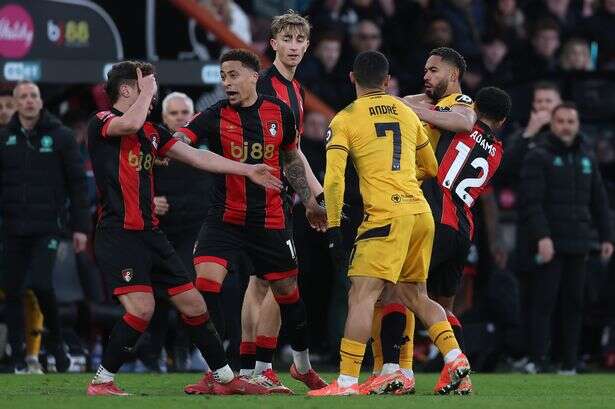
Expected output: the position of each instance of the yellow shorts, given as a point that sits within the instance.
(395, 250)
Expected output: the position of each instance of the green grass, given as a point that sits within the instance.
(166, 391)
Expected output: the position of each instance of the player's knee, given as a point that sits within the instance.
(143, 310)
(284, 287)
(190, 304)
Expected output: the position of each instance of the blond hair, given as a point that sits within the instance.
(290, 20)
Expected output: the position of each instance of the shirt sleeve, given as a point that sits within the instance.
(166, 140)
(463, 100)
(337, 156)
(197, 128)
(289, 141)
(105, 118)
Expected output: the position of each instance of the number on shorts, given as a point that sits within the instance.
(291, 246)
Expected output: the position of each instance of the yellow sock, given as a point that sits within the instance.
(443, 337)
(34, 324)
(351, 353)
(376, 341)
(407, 349)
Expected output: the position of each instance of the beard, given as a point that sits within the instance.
(438, 91)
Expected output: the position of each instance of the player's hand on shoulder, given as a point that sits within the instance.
(261, 174)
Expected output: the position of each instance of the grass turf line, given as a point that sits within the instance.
(498, 391)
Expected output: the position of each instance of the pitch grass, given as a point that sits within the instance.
(166, 391)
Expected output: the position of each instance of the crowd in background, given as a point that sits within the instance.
(541, 52)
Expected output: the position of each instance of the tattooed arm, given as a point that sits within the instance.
(294, 170)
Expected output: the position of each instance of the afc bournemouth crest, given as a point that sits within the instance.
(272, 127)
(127, 274)
(155, 140)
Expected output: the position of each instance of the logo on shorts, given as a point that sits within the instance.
(127, 274)
(272, 126)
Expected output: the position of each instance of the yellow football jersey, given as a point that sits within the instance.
(381, 135)
(445, 104)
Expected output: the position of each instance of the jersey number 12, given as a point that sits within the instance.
(464, 185)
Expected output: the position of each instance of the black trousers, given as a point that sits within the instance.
(29, 262)
(563, 280)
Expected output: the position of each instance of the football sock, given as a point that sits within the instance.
(392, 332)
(124, 337)
(204, 336)
(457, 328)
(443, 337)
(301, 359)
(294, 318)
(351, 353)
(388, 369)
(408, 373)
(265, 347)
(407, 348)
(376, 341)
(210, 290)
(345, 381)
(247, 358)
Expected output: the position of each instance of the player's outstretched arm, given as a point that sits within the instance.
(211, 162)
(459, 119)
(295, 173)
(135, 116)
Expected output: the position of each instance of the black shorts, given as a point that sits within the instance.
(140, 261)
(448, 259)
(271, 253)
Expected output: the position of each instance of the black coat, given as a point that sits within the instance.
(42, 179)
(562, 193)
(187, 191)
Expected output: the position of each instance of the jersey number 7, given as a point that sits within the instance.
(381, 131)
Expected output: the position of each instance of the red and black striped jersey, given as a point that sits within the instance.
(272, 82)
(254, 134)
(123, 171)
(467, 162)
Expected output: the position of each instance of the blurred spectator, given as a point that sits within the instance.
(326, 14)
(35, 193)
(365, 36)
(496, 65)
(576, 55)
(546, 97)
(541, 60)
(7, 107)
(467, 18)
(565, 13)
(438, 33)
(601, 29)
(323, 74)
(508, 20)
(563, 195)
(313, 142)
(204, 44)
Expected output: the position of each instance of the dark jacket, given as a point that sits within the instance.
(188, 192)
(42, 179)
(562, 193)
